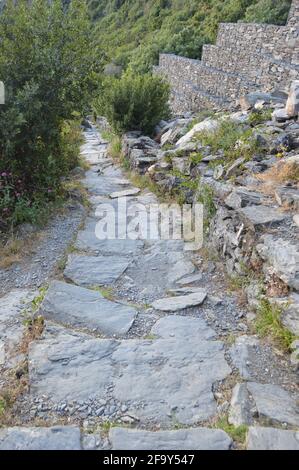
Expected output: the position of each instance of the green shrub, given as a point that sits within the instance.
(260, 116)
(49, 73)
(133, 102)
(233, 139)
(268, 11)
(237, 433)
(133, 32)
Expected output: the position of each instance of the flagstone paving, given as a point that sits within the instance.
(95, 270)
(137, 335)
(84, 308)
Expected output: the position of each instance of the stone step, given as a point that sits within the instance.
(153, 381)
(173, 304)
(70, 438)
(88, 240)
(83, 308)
(260, 438)
(55, 438)
(91, 271)
(183, 439)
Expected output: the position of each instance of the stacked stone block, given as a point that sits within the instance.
(247, 57)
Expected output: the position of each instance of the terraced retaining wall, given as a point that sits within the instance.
(247, 57)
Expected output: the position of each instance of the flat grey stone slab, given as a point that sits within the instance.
(176, 326)
(180, 269)
(70, 368)
(183, 439)
(282, 256)
(95, 270)
(56, 438)
(190, 279)
(87, 240)
(100, 185)
(260, 438)
(84, 308)
(274, 404)
(241, 353)
(173, 304)
(125, 192)
(159, 380)
(240, 406)
(184, 290)
(262, 215)
(171, 378)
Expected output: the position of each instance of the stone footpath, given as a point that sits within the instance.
(135, 353)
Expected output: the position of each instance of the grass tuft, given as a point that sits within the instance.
(233, 139)
(268, 323)
(114, 148)
(106, 292)
(237, 433)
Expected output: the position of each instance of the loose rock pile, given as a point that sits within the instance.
(255, 225)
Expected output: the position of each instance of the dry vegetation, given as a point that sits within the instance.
(16, 379)
(13, 249)
(281, 173)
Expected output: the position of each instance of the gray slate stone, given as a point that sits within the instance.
(183, 439)
(179, 374)
(240, 354)
(290, 316)
(259, 438)
(179, 269)
(100, 185)
(288, 197)
(208, 125)
(173, 304)
(232, 169)
(274, 404)
(70, 368)
(95, 270)
(83, 308)
(241, 197)
(248, 101)
(56, 438)
(88, 241)
(282, 256)
(239, 412)
(183, 327)
(184, 291)
(125, 192)
(190, 279)
(261, 215)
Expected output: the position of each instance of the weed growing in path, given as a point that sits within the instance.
(268, 323)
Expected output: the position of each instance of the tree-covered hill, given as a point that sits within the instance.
(133, 32)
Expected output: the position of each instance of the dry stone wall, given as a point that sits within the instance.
(247, 57)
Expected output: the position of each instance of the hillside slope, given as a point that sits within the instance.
(133, 32)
